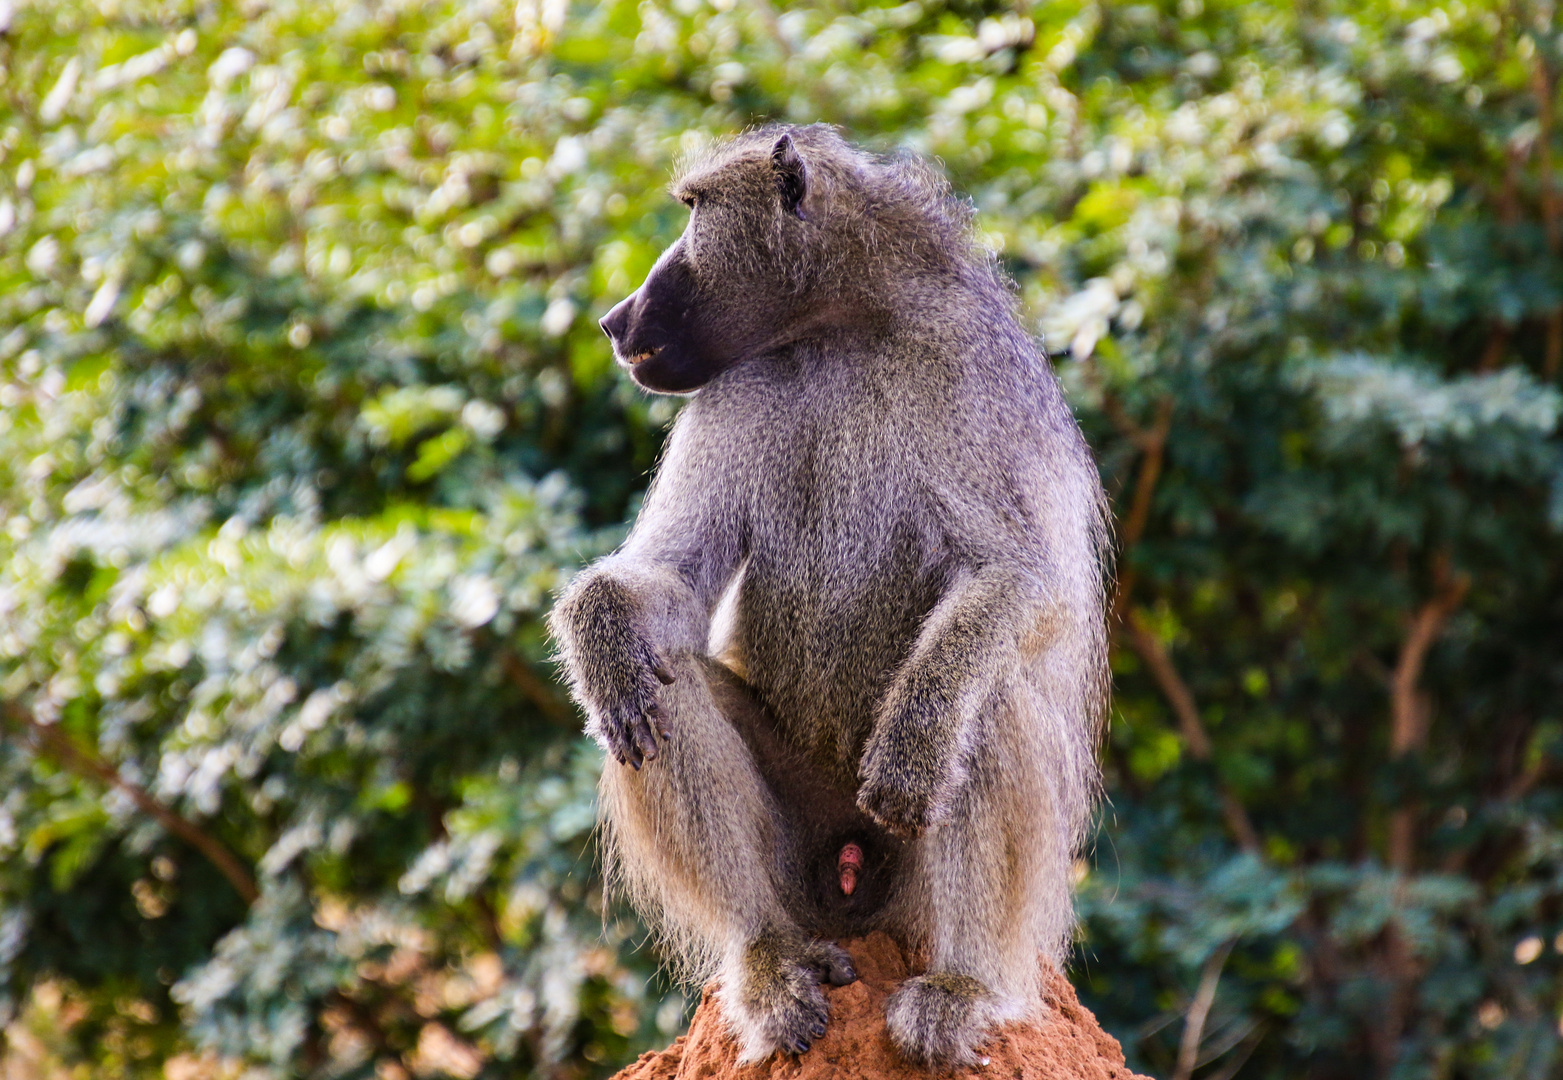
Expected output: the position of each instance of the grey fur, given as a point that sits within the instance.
(879, 515)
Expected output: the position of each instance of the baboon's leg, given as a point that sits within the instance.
(987, 896)
(695, 838)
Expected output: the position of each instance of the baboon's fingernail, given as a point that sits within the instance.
(818, 1029)
(666, 734)
(664, 676)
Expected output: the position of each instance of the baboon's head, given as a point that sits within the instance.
(791, 232)
(732, 283)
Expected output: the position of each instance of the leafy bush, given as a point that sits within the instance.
(305, 417)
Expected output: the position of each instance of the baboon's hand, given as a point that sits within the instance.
(904, 808)
(625, 716)
(616, 671)
(901, 793)
(910, 769)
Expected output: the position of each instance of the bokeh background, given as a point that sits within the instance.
(304, 415)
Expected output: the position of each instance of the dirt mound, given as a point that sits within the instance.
(1065, 1044)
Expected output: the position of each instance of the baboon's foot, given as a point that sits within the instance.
(773, 1000)
(830, 963)
(939, 1018)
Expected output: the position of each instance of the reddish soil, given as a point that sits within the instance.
(1065, 1043)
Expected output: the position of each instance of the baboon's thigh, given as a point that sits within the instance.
(695, 832)
(989, 890)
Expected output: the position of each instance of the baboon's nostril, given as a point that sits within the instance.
(617, 321)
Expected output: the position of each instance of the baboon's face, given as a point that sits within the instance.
(719, 293)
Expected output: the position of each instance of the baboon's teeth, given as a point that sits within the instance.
(642, 357)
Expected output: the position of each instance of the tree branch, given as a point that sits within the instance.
(1542, 87)
(1409, 715)
(1497, 345)
(1409, 707)
(1409, 730)
(1250, 1044)
(1181, 698)
(1199, 1012)
(82, 763)
(1177, 692)
(521, 675)
(1152, 443)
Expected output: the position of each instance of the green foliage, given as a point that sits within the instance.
(303, 417)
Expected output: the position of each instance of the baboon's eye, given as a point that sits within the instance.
(689, 200)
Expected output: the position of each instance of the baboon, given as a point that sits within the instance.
(850, 662)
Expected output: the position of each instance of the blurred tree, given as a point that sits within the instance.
(303, 417)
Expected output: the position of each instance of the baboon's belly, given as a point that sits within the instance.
(820, 648)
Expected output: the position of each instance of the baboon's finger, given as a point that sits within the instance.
(664, 676)
(632, 752)
(615, 740)
(659, 720)
(644, 741)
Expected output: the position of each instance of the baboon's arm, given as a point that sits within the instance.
(684, 549)
(620, 620)
(914, 764)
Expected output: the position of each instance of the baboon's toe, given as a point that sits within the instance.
(777, 1003)
(832, 963)
(793, 1016)
(938, 1019)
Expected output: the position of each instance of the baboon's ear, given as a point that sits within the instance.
(792, 178)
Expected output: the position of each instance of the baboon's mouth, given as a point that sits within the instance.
(641, 357)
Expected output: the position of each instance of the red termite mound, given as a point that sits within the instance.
(1065, 1043)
